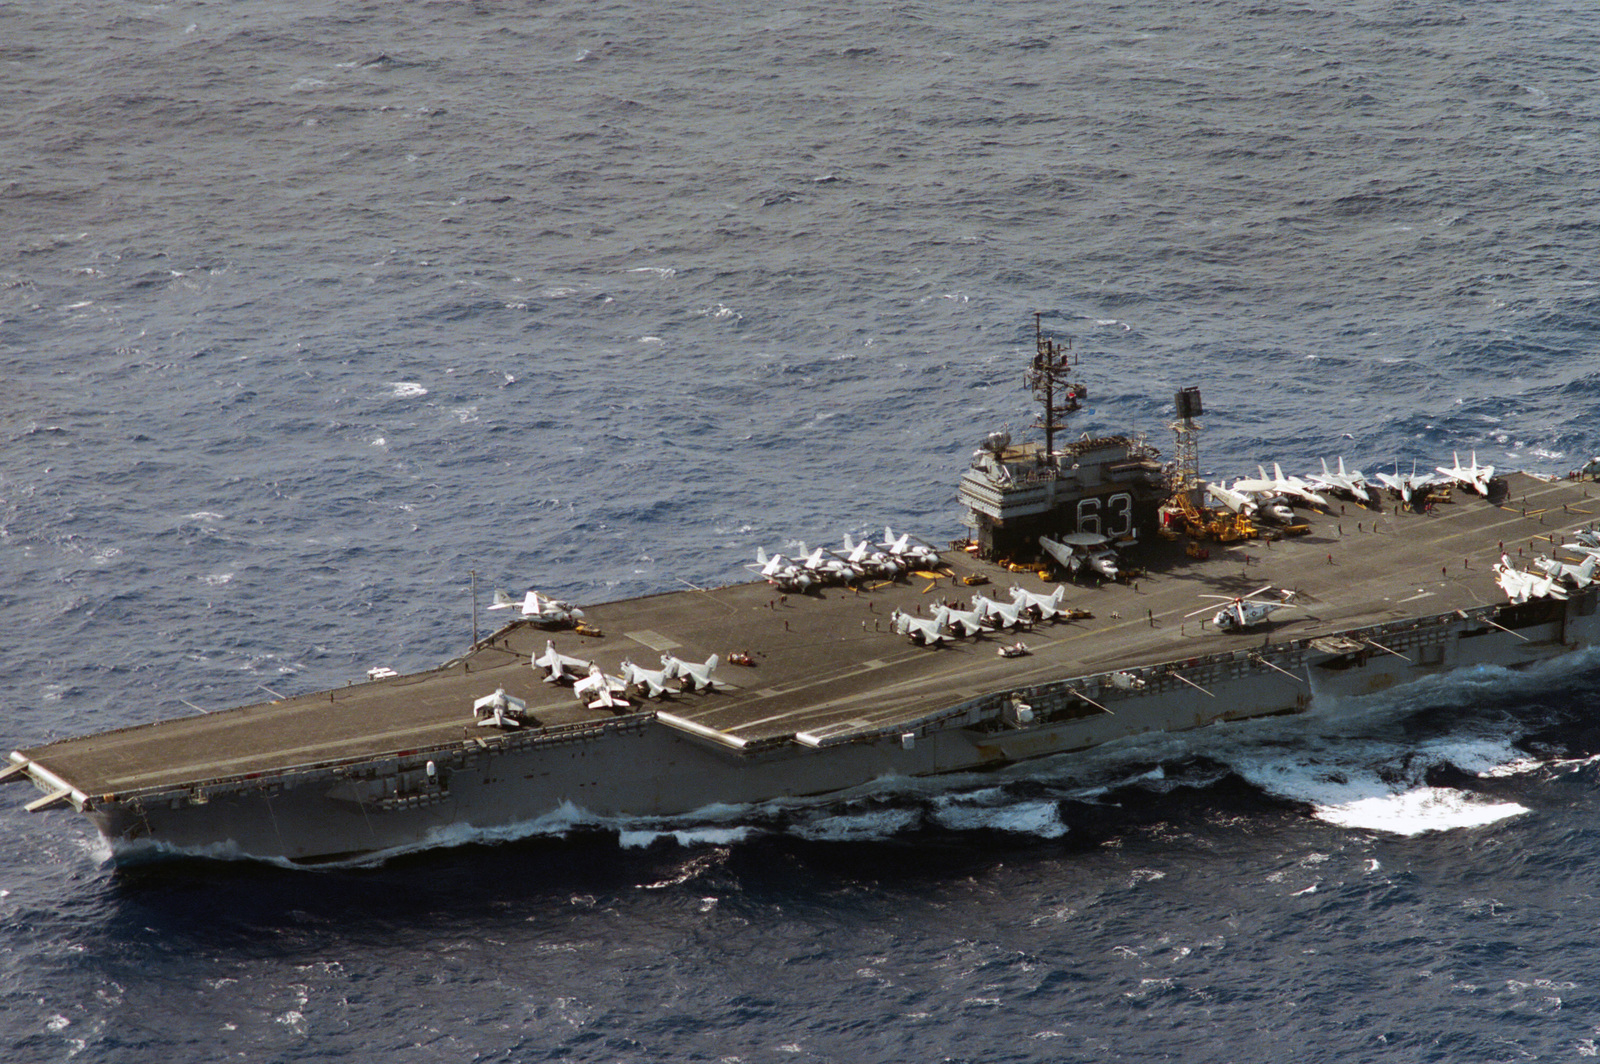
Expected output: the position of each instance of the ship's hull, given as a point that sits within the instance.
(643, 767)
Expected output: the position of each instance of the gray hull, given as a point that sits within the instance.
(655, 766)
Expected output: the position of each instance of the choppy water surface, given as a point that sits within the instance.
(308, 311)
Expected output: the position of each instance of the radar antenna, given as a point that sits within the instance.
(1049, 378)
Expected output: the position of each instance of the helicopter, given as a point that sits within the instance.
(1242, 611)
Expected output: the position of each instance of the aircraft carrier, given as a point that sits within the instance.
(831, 694)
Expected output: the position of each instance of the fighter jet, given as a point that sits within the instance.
(1040, 607)
(559, 667)
(606, 691)
(783, 573)
(869, 562)
(1474, 476)
(962, 623)
(1352, 482)
(691, 676)
(1002, 615)
(911, 551)
(1521, 586)
(542, 611)
(1278, 484)
(653, 682)
(827, 567)
(920, 632)
(1586, 537)
(1083, 550)
(1242, 611)
(1406, 486)
(1579, 575)
(499, 710)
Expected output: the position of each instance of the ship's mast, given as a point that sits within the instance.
(1049, 380)
(1185, 478)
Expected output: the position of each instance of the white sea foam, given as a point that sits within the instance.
(1416, 811)
(406, 390)
(1042, 819)
(857, 827)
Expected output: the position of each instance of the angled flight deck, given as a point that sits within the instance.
(828, 664)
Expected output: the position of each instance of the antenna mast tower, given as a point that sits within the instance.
(1049, 378)
(1186, 453)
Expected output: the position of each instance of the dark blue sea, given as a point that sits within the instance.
(311, 311)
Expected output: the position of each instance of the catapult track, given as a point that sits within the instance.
(835, 699)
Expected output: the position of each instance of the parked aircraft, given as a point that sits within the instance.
(691, 676)
(1521, 586)
(1350, 482)
(606, 691)
(962, 623)
(1241, 612)
(1081, 550)
(910, 550)
(543, 611)
(1040, 607)
(559, 667)
(653, 682)
(1407, 485)
(1579, 574)
(1278, 484)
(1237, 501)
(1586, 537)
(499, 710)
(1272, 508)
(828, 567)
(783, 573)
(922, 633)
(1474, 476)
(1003, 615)
(870, 562)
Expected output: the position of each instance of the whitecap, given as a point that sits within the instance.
(857, 827)
(1417, 811)
(407, 389)
(1041, 819)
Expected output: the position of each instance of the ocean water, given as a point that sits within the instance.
(311, 311)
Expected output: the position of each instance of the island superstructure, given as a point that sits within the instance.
(834, 695)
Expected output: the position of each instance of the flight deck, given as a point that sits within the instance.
(827, 665)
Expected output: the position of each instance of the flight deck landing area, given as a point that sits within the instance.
(830, 662)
